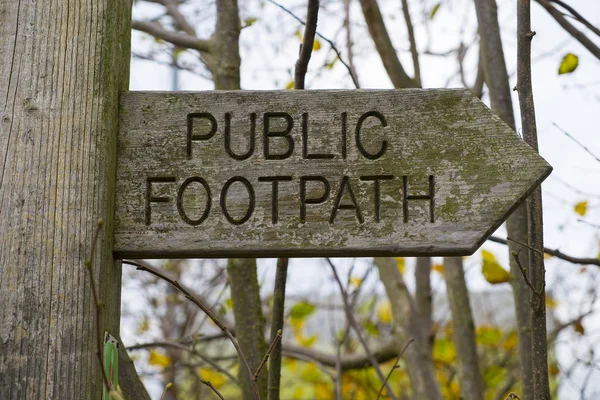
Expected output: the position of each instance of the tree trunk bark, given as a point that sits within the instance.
(62, 67)
(496, 78)
(247, 308)
(419, 362)
(463, 330)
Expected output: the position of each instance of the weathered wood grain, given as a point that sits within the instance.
(62, 66)
(440, 142)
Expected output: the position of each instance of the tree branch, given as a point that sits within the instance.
(567, 26)
(331, 44)
(147, 268)
(413, 43)
(384, 46)
(307, 44)
(178, 39)
(274, 379)
(556, 253)
(537, 271)
(352, 322)
(577, 16)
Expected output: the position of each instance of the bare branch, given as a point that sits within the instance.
(181, 22)
(331, 43)
(515, 255)
(352, 322)
(567, 26)
(556, 253)
(349, 43)
(267, 354)
(167, 387)
(178, 39)
(577, 16)
(307, 44)
(97, 305)
(413, 43)
(387, 378)
(142, 266)
(537, 271)
(274, 379)
(577, 142)
(214, 389)
(382, 353)
(384, 46)
(191, 350)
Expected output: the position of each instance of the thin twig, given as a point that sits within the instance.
(349, 43)
(577, 142)
(356, 329)
(515, 255)
(277, 321)
(97, 304)
(166, 389)
(331, 43)
(192, 350)
(394, 367)
(267, 354)
(145, 267)
(214, 389)
(572, 30)
(556, 253)
(577, 16)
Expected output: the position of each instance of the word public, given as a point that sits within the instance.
(345, 196)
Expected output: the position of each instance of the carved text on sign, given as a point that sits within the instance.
(344, 188)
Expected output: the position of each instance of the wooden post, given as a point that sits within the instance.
(62, 67)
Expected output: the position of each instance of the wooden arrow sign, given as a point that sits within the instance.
(315, 173)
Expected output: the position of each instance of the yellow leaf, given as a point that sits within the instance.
(568, 64)
(213, 377)
(578, 327)
(355, 281)
(438, 268)
(298, 393)
(510, 341)
(143, 326)
(581, 208)
(384, 312)
(492, 271)
(308, 341)
(159, 359)
(322, 391)
(250, 21)
(311, 373)
(316, 45)
(551, 302)
(400, 263)
(444, 351)
(298, 35)
(330, 65)
(553, 369)
(547, 256)
(290, 85)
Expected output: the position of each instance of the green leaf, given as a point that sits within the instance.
(250, 21)
(302, 310)
(371, 328)
(568, 64)
(434, 10)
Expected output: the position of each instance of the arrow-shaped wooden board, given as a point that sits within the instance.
(315, 173)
